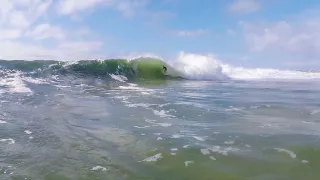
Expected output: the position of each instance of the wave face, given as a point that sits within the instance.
(186, 66)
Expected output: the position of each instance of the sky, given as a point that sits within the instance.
(250, 33)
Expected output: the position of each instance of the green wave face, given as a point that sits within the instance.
(145, 68)
(138, 69)
(101, 68)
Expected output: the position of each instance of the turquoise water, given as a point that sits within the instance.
(86, 126)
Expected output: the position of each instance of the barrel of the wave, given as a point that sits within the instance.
(152, 69)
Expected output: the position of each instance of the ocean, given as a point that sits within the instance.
(130, 120)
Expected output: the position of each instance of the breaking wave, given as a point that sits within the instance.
(186, 66)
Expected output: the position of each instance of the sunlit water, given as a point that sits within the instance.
(63, 130)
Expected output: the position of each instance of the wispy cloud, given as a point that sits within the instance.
(244, 6)
(231, 32)
(190, 33)
(44, 31)
(72, 7)
(67, 7)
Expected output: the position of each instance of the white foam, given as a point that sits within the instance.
(159, 138)
(161, 113)
(132, 84)
(5, 140)
(208, 67)
(141, 127)
(174, 149)
(223, 151)
(138, 105)
(231, 108)
(28, 132)
(153, 158)
(129, 87)
(308, 122)
(164, 124)
(173, 154)
(62, 86)
(205, 151)
(186, 146)
(150, 121)
(316, 111)
(35, 80)
(304, 161)
(212, 158)
(145, 93)
(3, 122)
(119, 77)
(248, 146)
(198, 138)
(186, 163)
(14, 82)
(292, 154)
(229, 142)
(177, 136)
(96, 168)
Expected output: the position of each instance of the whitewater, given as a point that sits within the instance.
(127, 118)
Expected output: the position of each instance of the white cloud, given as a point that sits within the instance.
(81, 46)
(244, 6)
(22, 13)
(6, 34)
(26, 33)
(67, 7)
(302, 37)
(44, 31)
(18, 19)
(128, 7)
(72, 7)
(29, 51)
(189, 33)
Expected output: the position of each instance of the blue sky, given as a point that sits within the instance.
(249, 33)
